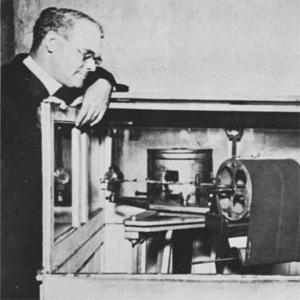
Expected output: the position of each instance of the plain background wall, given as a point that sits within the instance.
(7, 31)
(130, 147)
(192, 49)
(176, 48)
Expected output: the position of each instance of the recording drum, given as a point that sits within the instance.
(260, 199)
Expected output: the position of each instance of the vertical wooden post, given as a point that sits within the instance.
(84, 181)
(76, 165)
(47, 129)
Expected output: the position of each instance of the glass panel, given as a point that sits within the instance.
(62, 179)
(94, 165)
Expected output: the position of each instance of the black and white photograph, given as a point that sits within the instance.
(150, 149)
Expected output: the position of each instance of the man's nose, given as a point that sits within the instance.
(90, 64)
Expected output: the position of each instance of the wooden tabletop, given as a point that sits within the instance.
(153, 221)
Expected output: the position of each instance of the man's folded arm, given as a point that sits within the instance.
(70, 94)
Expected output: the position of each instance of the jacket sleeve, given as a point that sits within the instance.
(70, 94)
(97, 74)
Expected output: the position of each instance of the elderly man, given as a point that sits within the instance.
(63, 64)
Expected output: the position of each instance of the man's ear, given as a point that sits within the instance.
(51, 41)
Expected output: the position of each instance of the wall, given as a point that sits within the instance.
(7, 31)
(130, 154)
(130, 147)
(192, 49)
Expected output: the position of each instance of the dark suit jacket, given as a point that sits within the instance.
(21, 195)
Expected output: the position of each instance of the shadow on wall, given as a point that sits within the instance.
(7, 31)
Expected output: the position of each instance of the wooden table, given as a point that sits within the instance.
(141, 227)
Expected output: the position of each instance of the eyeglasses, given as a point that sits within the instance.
(88, 54)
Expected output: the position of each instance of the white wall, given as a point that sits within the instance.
(262, 143)
(192, 49)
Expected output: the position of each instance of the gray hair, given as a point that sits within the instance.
(60, 20)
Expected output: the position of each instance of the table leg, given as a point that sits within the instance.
(139, 253)
(166, 255)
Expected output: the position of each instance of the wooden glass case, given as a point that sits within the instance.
(85, 253)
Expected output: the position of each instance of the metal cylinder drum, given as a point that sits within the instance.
(262, 179)
(267, 191)
(187, 167)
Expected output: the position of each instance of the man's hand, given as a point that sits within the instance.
(94, 103)
(52, 99)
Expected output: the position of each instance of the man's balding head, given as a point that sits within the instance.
(59, 20)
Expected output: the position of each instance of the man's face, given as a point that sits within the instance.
(77, 55)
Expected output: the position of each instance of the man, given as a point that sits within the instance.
(63, 64)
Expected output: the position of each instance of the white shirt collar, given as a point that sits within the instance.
(49, 82)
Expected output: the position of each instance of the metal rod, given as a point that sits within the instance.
(214, 260)
(158, 182)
